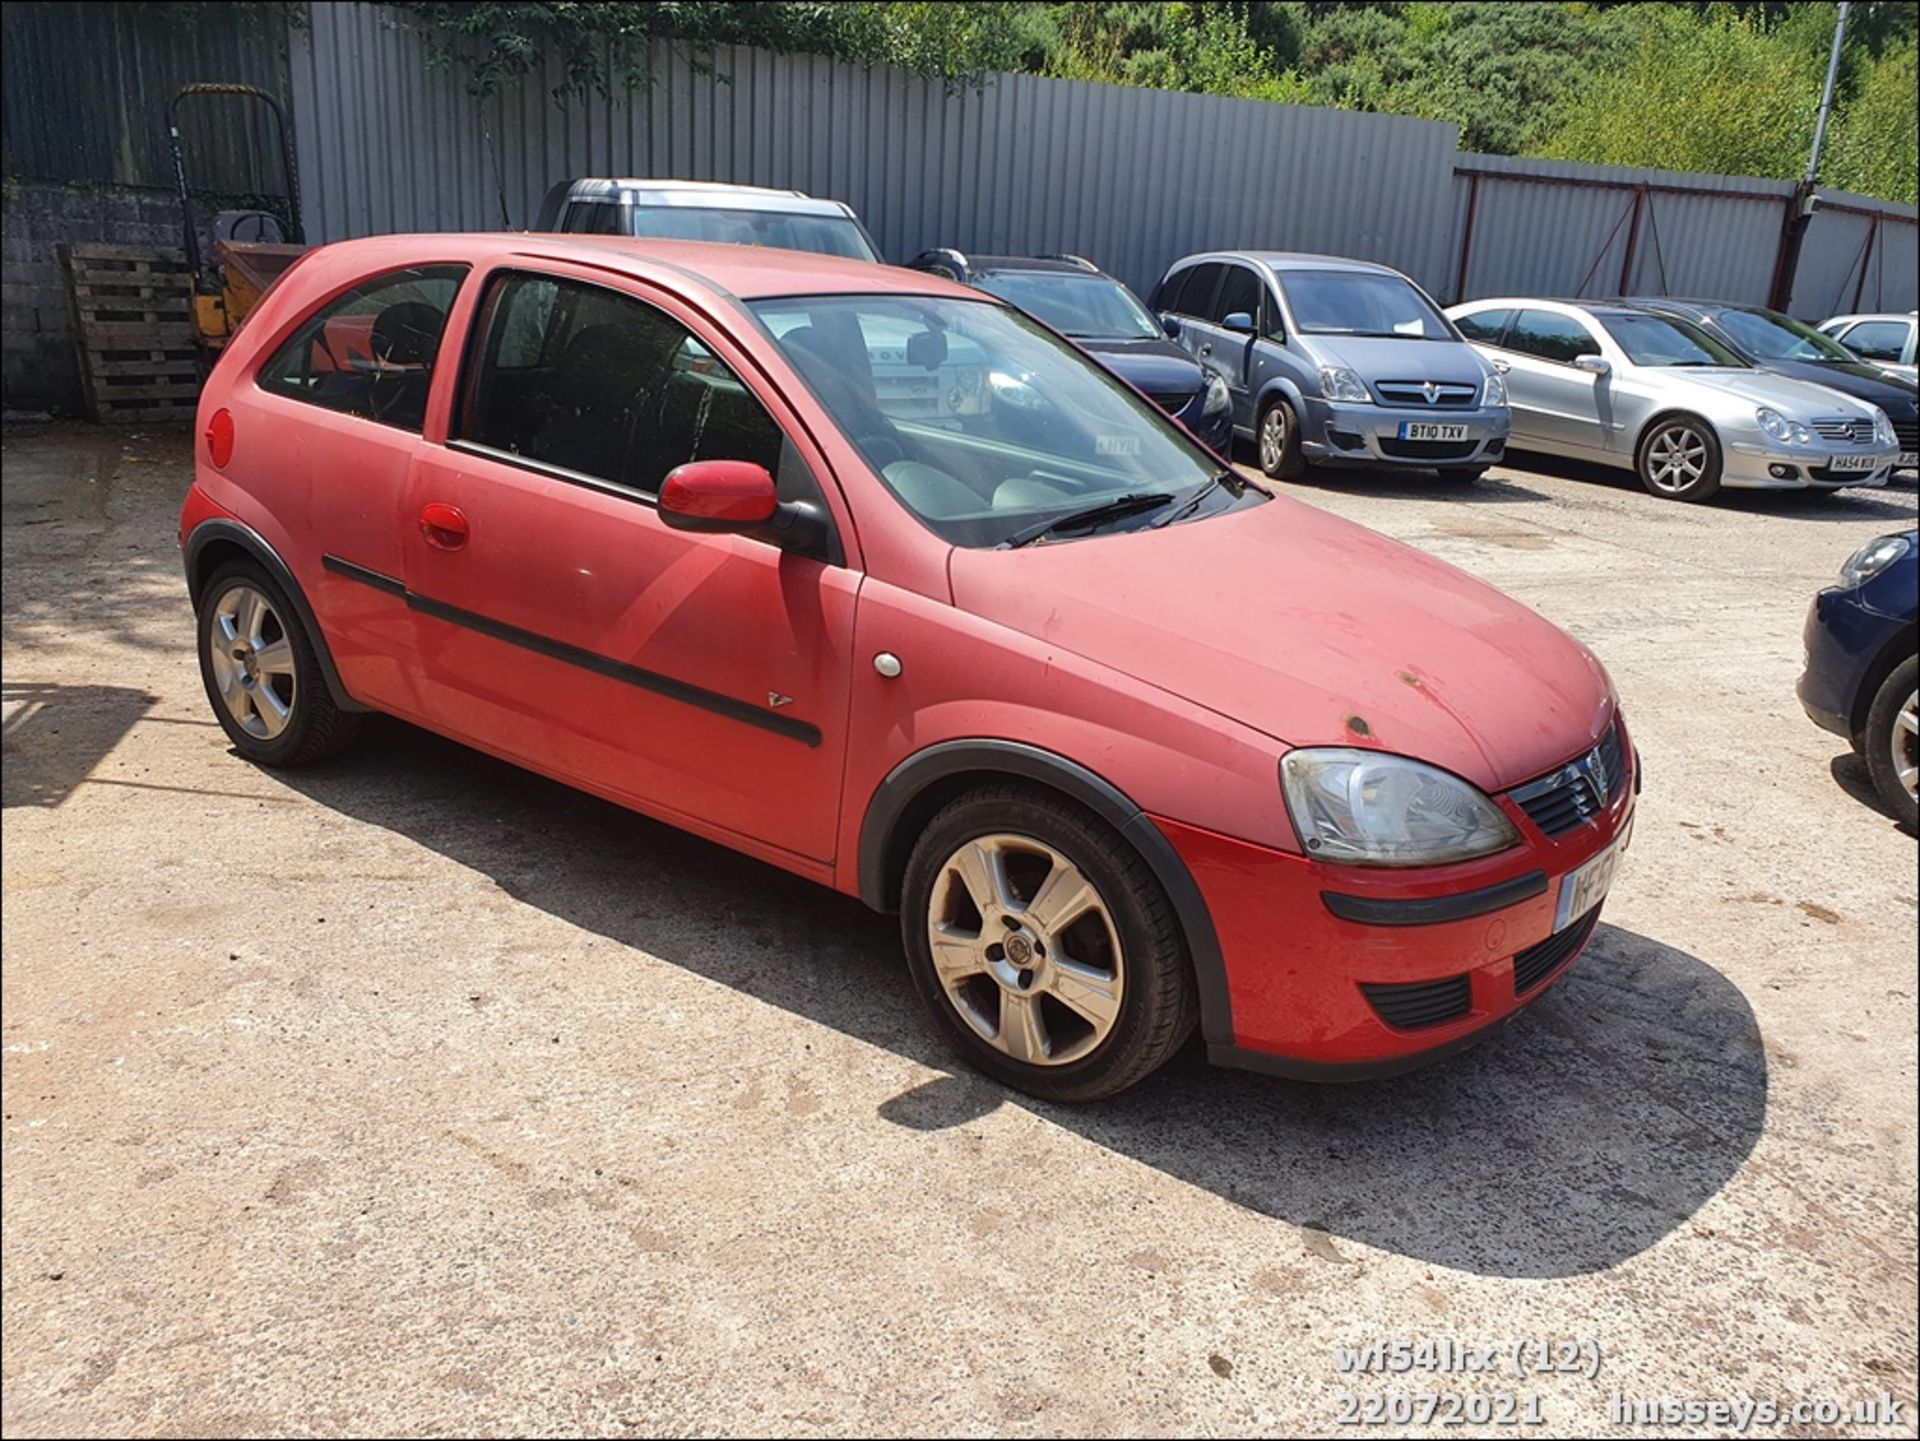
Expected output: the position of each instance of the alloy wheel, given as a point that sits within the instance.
(1676, 459)
(252, 661)
(1025, 949)
(1905, 744)
(1273, 437)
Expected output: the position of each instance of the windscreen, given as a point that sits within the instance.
(1360, 302)
(1658, 340)
(820, 234)
(1084, 307)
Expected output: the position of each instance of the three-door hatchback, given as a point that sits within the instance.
(1130, 743)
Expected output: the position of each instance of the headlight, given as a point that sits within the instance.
(1219, 398)
(1339, 383)
(1872, 558)
(1364, 808)
(1883, 428)
(1774, 423)
(1495, 392)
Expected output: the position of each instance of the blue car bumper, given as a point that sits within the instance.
(1844, 639)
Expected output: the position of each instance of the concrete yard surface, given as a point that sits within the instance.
(412, 1093)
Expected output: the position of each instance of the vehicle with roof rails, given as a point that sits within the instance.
(707, 210)
(1087, 708)
(1658, 395)
(1107, 320)
(1884, 339)
(1336, 362)
(1779, 343)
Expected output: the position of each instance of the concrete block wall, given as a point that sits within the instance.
(39, 366)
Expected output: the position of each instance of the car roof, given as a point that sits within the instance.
(696, 193)
(1286, 260)
(980, 263)
(1872, 315)
(744, 272)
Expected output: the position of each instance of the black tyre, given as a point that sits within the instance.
(1044, 945)
(1277, 436)
(262, 677)
(1892, 742)
(1679, 458)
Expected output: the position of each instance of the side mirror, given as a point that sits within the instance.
(1171, 324)
(1239, 321)
(718, 496)
(1593, 364)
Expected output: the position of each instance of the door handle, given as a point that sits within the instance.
(1502, 366)
(443, 526)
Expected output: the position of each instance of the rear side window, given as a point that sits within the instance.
(1240, 291)
(1484, 326)
(593, 218)
(371, 351)
(1551, 337)
(604, 385)
(1191, 293)
(1877, 339)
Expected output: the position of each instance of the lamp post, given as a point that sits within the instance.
(1802, 204)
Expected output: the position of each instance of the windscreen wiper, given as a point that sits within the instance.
(1214, 482)
(1117, 509)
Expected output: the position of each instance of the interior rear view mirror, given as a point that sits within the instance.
(927, 349)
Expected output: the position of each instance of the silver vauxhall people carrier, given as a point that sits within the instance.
(1336, 362)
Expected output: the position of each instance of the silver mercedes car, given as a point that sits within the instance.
(1657, 395)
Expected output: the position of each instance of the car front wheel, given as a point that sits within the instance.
(1279, 437)
(1679, 458)
(1044, 945)
(1893, 742)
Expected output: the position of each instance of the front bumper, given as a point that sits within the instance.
(1343, 433)
(1843, 636)
(1465, 946)
(1764, 465)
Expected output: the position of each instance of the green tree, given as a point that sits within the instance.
(1876, 138)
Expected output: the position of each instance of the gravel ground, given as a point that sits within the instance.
(417, 1094)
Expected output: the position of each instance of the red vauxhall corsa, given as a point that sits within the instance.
(869, 576)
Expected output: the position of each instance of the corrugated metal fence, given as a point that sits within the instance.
(1133, 178)
(84, 91)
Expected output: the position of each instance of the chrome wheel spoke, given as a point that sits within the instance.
(1062, 899)
(1905, 744)
(1089, 994)
(982, 870)
(247, 616)
(1023, 1032)
(267, 705)
(956, 956)
(275, 657)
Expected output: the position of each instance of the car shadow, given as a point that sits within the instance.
(1891, 501)
(54, 736)
(1495, 489)
(1850, 773)
(1580, 1135)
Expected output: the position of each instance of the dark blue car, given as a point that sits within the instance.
(1860, 676)
(1104, 318)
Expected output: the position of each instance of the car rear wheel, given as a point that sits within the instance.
(1893, 742)
(262, 677)
(1279, 437)
(1679, 458)
(1044, 945)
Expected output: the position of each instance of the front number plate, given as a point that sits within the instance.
(1430, 430)
(1582, 890)
(1854, 462)
(1908, 458)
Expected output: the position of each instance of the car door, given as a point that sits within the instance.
(343, 401)
(1884, 342)
(703, 678)
(1557, 406)
(1227, 352)
(1188, 298)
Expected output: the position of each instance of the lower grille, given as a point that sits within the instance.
(1536, 963)
(1427, 449)
(1173, 402)
(1418, 1004)
(1907, 432)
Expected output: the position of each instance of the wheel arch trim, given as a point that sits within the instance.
(222, 529)
(883, 849)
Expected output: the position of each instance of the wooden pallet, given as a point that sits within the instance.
(132, 327)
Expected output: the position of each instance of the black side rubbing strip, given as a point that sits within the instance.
(665, 685)
(1369, 911)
